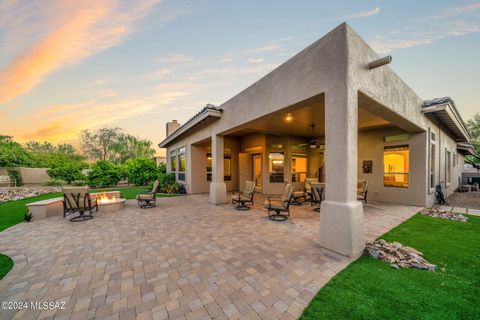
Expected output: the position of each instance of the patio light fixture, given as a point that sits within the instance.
(380, 62)
(288, 117)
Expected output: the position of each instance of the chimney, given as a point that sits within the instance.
(172, 127)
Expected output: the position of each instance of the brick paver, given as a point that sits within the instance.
(184, 259)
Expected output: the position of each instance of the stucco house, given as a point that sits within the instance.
(329, 113)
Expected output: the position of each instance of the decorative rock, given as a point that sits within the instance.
(19, 193)
(398, 255)
(437, 213)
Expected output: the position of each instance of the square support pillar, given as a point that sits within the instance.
(218, 189)
(341, 215)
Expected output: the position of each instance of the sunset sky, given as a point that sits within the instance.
(70, 65)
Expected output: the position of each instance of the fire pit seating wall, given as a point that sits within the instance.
(54, 207)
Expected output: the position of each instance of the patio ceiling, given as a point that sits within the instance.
(302, 117)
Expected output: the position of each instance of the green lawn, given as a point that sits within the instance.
(6, 264)
(12, 212)
(371, 289)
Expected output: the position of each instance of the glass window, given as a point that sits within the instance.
(431, 162)
(173, 160)
(276, 165)
(448, 166)
(209, 167)
(227, 166)
(299, 167)
(182, 163)
(396, 166)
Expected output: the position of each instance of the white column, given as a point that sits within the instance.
(341, 217)
(218, 189)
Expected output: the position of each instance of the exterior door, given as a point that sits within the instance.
(257, 170)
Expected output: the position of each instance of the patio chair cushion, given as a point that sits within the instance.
(72, 193)
(298, 193)
(274, 204)
(144, 197)
(362, 186)
(240, 197)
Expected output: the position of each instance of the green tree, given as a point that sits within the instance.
(68, 170)
(130, 147)
(97, 145)
(12, 154)
(46, 155)
(140, 171)
(104, 174)
(473, 126)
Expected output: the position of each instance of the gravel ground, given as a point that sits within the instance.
(465, 199)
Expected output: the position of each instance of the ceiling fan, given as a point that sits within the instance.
(313, 143)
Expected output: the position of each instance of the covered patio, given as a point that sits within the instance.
(183, 259)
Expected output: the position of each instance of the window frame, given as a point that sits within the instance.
(227, 155)
(295, 155)
(276, 176)
(405, 173)
(448, 167)
(182, 175)
(432, 163)
(173, 157)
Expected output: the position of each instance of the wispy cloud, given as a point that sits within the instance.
(77, 31)
(451, 22)
(176, 57)
(364, 14)
(255, 60)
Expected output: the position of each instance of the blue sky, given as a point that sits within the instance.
(68, 66)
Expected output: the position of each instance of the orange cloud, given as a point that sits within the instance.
(64, 122)
(80, 29)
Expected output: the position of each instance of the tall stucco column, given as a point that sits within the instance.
(218, 189)
(341, 215)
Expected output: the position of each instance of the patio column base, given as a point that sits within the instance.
(341, 228)
(218, 193)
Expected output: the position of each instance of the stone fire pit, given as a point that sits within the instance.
(109, 201)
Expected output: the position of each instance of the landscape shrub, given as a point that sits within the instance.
(104, 174)
(15, 175)
(167, 184)
(166, 178)
(68, 170)
(55, 182)
(79, 183)
(140, 171)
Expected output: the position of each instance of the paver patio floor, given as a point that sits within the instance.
(184, 259)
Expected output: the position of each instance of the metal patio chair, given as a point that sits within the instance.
(149, 199)
(362, 190)
(78, 200)
(241, 199)
(279, 208)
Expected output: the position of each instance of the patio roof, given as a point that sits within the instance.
(208, 112)
(445, 111)
(466, 149)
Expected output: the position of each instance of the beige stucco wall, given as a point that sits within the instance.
(371, 147)
(444, 143)
(34, 175)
